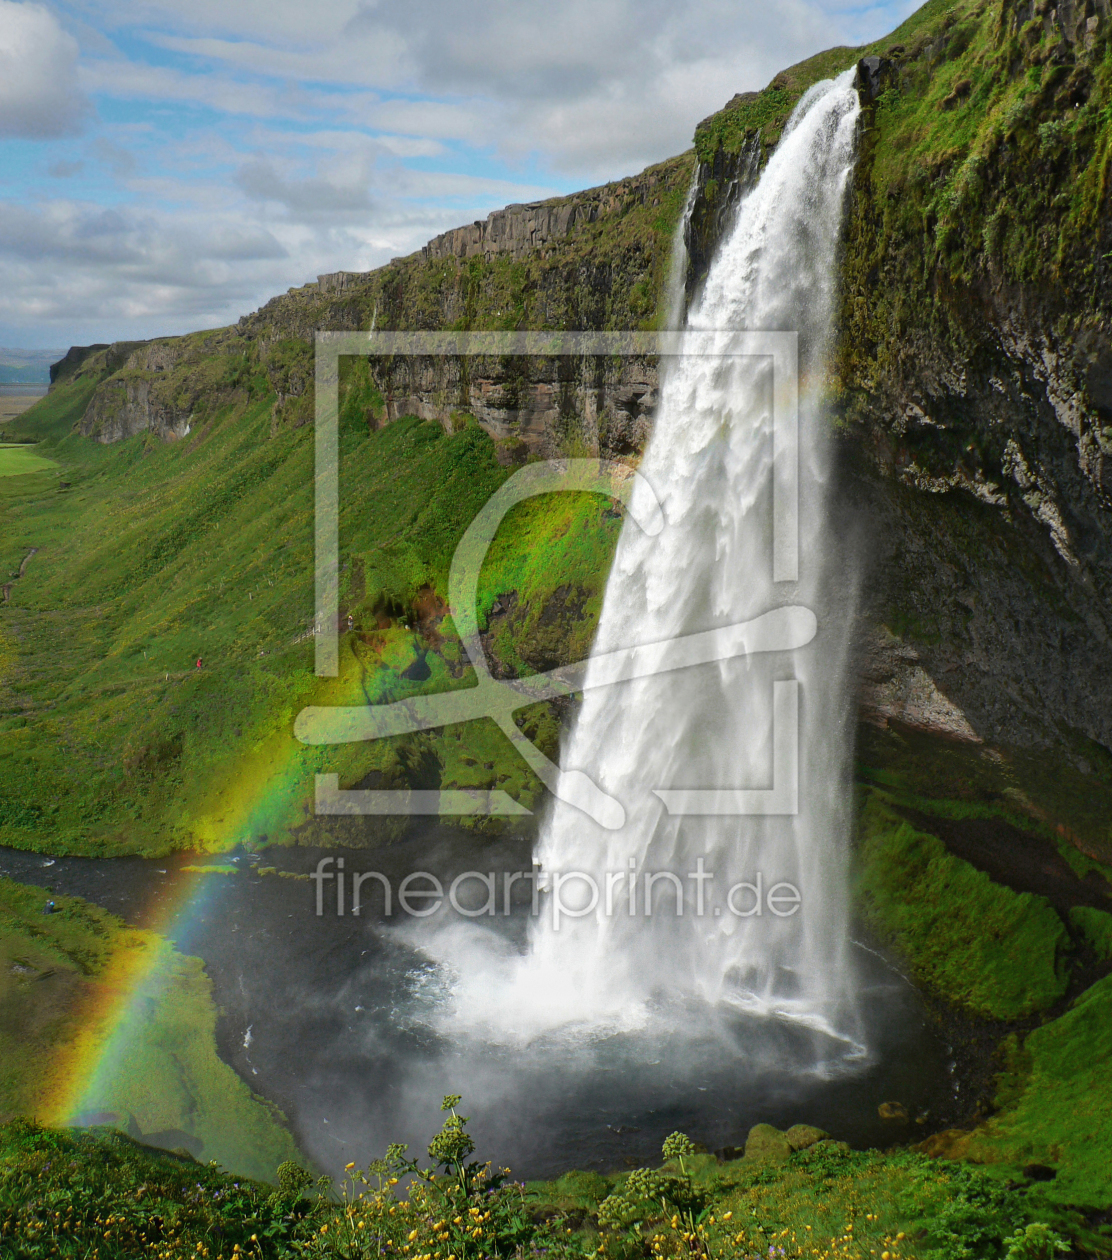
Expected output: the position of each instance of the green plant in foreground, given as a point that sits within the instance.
(678, 1197)
(459, 1208)
(83, 1195)
(1036, 1242)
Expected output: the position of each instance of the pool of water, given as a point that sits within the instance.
(339, 1020)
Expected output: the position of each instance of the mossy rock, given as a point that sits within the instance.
(767, 1144)
(951, 1144)
(581, 1187)
(800, 1136)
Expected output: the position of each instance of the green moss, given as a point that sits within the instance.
(1057, 1104)
(969, 941)
(583, 1190)
(1096, 927)
(984, 161)
(552, 543)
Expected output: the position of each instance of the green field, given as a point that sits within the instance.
(98, 1019)
(16, 460)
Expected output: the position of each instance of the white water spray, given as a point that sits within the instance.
(710, 463)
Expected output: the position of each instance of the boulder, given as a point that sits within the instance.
(767, 1144)
(800, 1136)
(949, 1144)
(893, 1113)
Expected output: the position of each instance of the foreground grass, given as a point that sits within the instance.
(77, 1193)
(1055, 1100)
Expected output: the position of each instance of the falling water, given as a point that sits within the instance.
(710, 465)
(675, 295)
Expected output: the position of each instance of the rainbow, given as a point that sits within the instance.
(259, 795)
(137, 974)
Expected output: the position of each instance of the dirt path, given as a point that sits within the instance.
(7, 588)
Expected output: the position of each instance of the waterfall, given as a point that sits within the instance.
(709, 462)
(675, 294)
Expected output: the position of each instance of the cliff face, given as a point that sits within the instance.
(531, 406)
(517, 230)
(598, 259)
(973, 363)
(973, 368)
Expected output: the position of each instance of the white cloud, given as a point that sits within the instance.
(131, 80)
(82, 272)
(261, 181)
(594, 87)
(38, 63)
(254, 145)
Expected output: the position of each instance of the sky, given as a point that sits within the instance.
(168, 165)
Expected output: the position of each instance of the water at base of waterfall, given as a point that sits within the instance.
(344, 1022)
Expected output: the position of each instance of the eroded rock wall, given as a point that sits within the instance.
(541, 407)
(973, 372)
(140, 395)
(972, 368)
(595, 260)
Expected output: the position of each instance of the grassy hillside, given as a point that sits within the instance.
(152, 555)
(158, 645)
(796, 1195)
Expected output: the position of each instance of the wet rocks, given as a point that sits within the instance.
(802, 1136)
(770, 1145)
(893, 1113)
(872, 76)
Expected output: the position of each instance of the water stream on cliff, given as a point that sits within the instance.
(621, 957)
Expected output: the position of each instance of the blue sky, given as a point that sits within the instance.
(168, 165)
